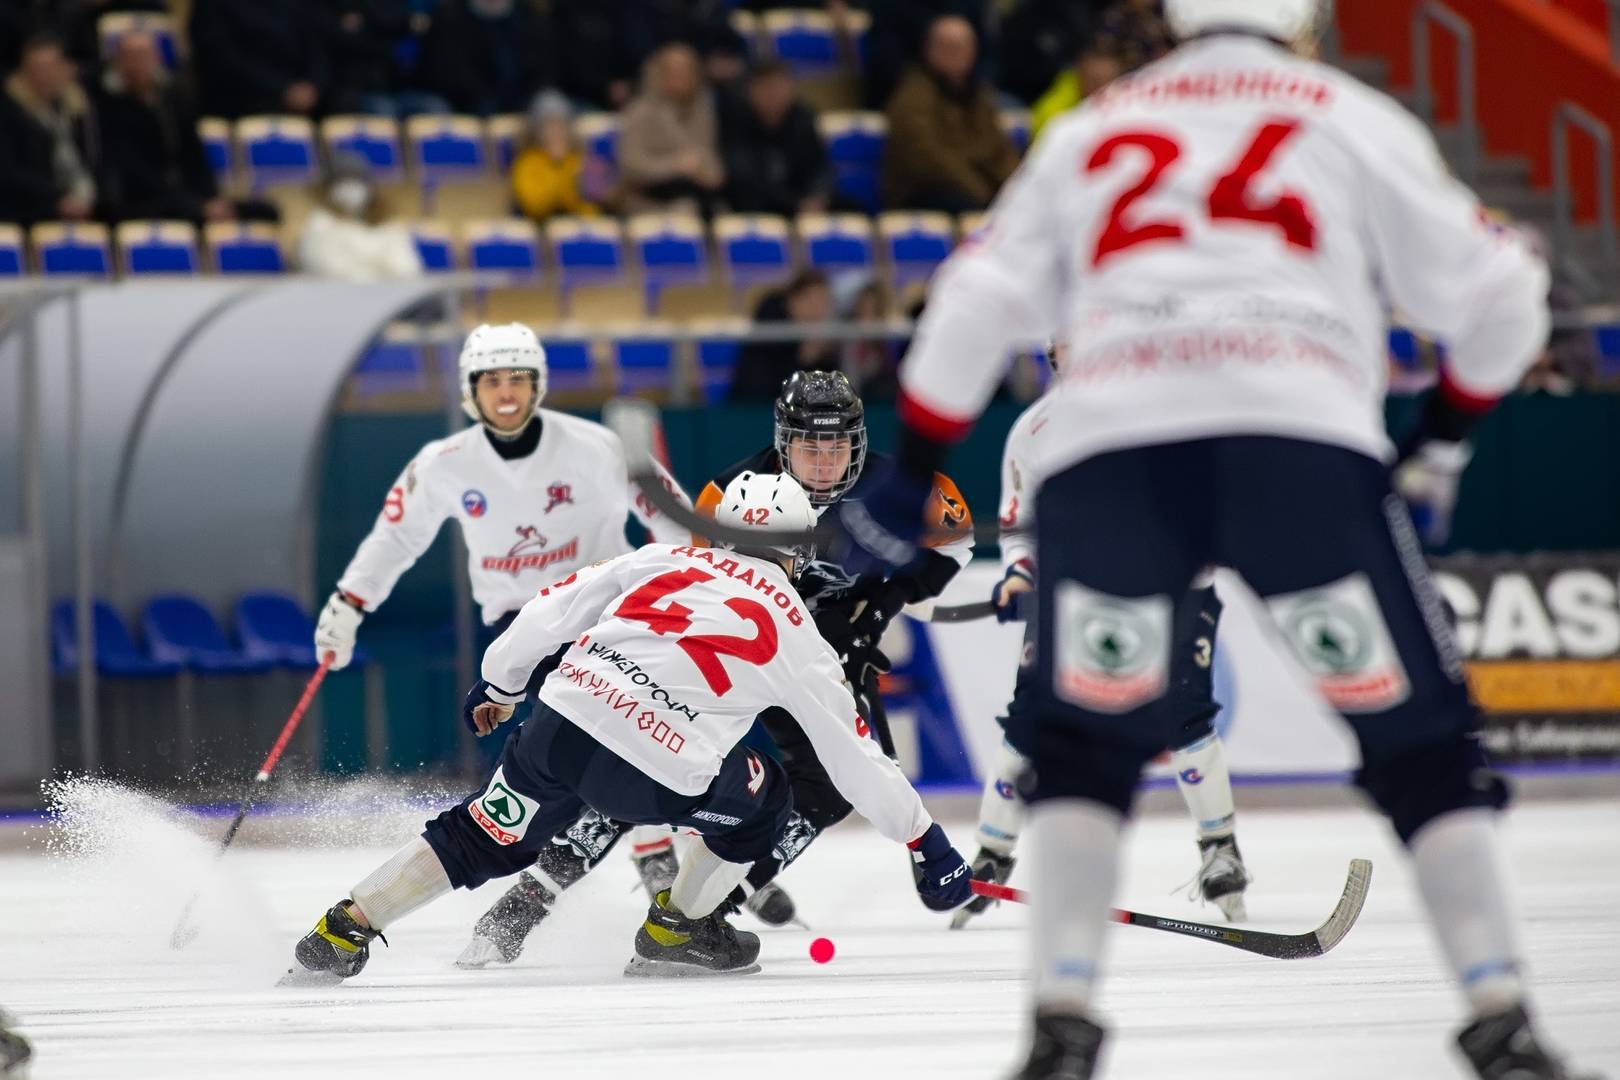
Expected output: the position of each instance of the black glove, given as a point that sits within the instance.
(481, 720)
(942, 875)
(1010, 603)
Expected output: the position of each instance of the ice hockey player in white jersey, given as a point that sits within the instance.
(1218, 238)
(1197, 756)
(536, 493)
(671, 652)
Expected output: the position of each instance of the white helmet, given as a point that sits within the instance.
(769, 502)
(494, 348)
(1292, 22)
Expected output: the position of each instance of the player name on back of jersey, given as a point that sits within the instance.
(1272, 86)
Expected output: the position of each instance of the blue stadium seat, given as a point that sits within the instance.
(588, 251)
(273, 628)
(508, 245)
(505, 135)
(855, 147)
(718, 343)
(374, 138)
(180, 630)
(754, 248)
(1608, 346)
(836, 242)
(446, 147)
(915, 243)
(116, 654)
(1017, 123)
(244, 247)
(568, 358)
(277, 149)
(157, 247)
(670, 250)
(72, 248)
(433, 245)
(216, 140)
(803, 39)
(599, 134)
(392, 364)
(12, 261)
(645, 358)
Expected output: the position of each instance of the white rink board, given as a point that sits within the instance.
(1277, 725)
(85, 965)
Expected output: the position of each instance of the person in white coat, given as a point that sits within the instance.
(535, 493)
(348, 233)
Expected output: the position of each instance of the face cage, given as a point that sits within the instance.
(852, 473)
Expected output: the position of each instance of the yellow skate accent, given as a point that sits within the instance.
(346, 946)
(665, 937)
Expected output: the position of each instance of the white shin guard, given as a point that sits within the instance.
(704, 880)
(1001, 810)
(413, 877)
(646, 840)
(1206, 786)
(1075, 863)
(1459, 873)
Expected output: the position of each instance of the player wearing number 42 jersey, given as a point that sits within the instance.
(1218, 239)
(671, 651)
(536, 493)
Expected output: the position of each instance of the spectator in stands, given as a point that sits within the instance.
(762, 366)
(552, 174)
(872, 364)
(488, 56)
(254, 57)
(349, 235)
(774, 158)
(669, 143)
(154, 165)
(1099, 59)
(895, 39)
(16, 21)
(49, 139)
(945, 150)
(367, 38)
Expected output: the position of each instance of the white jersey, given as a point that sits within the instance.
(1016, 519)
(1219, 239)
(676, 650)
(525, 521)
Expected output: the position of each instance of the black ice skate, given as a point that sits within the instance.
(1504, 1047)
(657, 870)
(335, 950)
(772, 905)
(14, 1049)
(987, 866)
(671, 945)
(499, 934)
(1065, 1047)
(1223, 877)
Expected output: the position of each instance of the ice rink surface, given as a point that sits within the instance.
(86, 910)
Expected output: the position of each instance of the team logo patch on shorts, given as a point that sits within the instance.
(1112, 653)
(1338, 632)
(502, 812)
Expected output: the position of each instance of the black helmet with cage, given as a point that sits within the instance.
(821, 433)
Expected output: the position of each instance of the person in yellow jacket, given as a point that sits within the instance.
(551, 175)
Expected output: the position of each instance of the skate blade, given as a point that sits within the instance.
(480, 952)
(1233, 907)
(961, 919)
(640, 967)
(303, 977)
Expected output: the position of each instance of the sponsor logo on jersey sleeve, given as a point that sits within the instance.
(473, 501)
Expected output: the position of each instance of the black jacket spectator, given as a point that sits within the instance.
(488, 56)
(763, 366)
(364, 35)
(252, 56)
(774, 158)
(154, 165)
(609, 40)
(49, 140)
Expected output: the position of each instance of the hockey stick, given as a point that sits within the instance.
(1260, 942)
(982, 609)
(184, 932)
